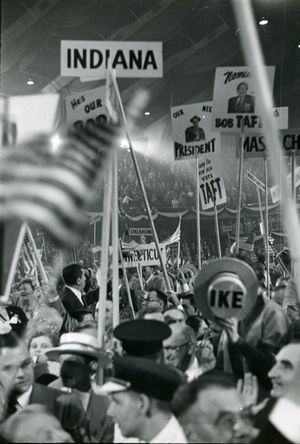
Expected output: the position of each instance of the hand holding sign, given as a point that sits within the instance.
(230, 325)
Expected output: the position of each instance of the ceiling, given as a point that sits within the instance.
(197, 36)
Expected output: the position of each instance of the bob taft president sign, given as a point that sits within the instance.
(192, 132)
(94, 58)
(236, 103)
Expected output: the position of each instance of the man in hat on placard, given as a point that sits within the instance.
(194, 133)
(141, 393)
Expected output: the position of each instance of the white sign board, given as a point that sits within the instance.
(145, 255)
(140, 231)
(212, 188)
(235, 99)
(192, 132)
(86, 107)
(93, 58)
(255, 180)
(275, 192)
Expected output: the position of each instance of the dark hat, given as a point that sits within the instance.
(143, 376)
(226, 287)
(195, 118)
(142, 337)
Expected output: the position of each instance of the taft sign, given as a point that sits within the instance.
(87, 107)
(145, 255)
(212, 188)
(94, 58)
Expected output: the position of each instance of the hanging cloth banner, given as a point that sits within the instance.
(94, 58)
(236, 100)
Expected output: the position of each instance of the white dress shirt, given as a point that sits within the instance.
(285, 417)
(23, 400)
(194, 370)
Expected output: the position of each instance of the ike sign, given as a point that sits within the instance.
(94, 58)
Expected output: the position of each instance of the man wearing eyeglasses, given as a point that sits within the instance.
(180, 350)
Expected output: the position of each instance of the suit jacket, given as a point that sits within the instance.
(269, 434)
(190, 134)
(71, 302)
(246, 105)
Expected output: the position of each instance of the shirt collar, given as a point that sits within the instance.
(76, 292)
(23, 400)
(194, 370)
(171, 433)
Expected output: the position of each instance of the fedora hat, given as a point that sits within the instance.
(195, 118)
(78, 344)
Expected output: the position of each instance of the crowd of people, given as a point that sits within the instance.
(164, 372)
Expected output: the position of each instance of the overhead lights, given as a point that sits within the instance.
(263, 21)
(30, 82)
(299, 45)
(147, 113)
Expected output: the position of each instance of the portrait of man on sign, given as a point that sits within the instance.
(243, 102)
(194, 133)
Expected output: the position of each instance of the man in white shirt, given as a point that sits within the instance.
(140, 394)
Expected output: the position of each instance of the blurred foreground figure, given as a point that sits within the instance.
(34, 424)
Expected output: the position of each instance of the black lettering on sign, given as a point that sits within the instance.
(249, 121)
(207, 109)
(226, 299)
(237, 299)
(76, 102)
(150, 60)
(119, 59)
(254, 144)
(231, 75)
(224, 123)
(291, 142)
(178, 113)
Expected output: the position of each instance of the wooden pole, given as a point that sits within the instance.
(115, 244)
(141, 184)
(217, 231)
(126, 282)
(267, 226)
(36, 254)
(178, 249)
(261, 217)
(198, 214)
(240, 189)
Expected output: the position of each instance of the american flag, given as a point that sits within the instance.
(29, 261)
(53, 188)
(175, 237)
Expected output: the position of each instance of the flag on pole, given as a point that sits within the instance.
(53, 187)
(29, 261)
(175, 237)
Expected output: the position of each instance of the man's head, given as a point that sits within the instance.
(195, 120)
(242, 89)
(156, 300)
(15, 360)
(179, 348)
(285, 374)
(34, 424)
(26, 287)
(74, 276)
(174, 316)
(209, 408)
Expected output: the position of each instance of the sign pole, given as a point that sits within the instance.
(36, 254)
(217, 231)
(115, 243)
(198, 214)
(267, 227)
(126, 282)
(293, 190)
(141, 184)
(261, 217)
(178, 249)
(240, 185)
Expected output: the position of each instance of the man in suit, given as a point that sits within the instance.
(15, 360)
(194, 133)
(72, 295)
(243, 102)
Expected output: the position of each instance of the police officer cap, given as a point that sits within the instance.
(143, 376)
(142, 337)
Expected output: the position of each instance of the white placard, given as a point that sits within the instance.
(192, 132)
(94, 58)
(255, 146)
(138, 231)
(212, 188)
(82, 107)
(235, 99)
(145, 255)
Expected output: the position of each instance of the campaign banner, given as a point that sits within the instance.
(235, 99)
(255, 180)
(140, 231)
(191, 137)
(212, 188)
(280, 117)
(145, 255)
(255, 145)
(86, 108)
(86, 58)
